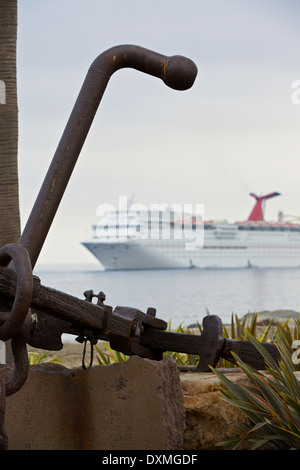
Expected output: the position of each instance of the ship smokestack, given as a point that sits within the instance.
(257, 214)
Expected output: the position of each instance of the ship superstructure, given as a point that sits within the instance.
(130, 240)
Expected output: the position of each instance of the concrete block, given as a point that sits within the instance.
(136, 405)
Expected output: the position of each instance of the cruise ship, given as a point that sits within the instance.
(131, 239)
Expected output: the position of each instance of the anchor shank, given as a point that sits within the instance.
(177, 72)
(170, 341)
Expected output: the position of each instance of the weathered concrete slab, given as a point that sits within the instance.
(137, 405)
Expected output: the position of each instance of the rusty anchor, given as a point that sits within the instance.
(177, 72)
(128, 329)
(31, 313)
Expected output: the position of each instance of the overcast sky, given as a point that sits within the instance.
(234, 132)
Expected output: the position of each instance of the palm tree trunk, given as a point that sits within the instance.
(9, 185)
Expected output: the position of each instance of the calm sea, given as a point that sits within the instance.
(182, 296)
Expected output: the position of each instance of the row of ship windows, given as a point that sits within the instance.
(256, 228)
(239, 255)
(258, 254)
(249, 228)
(233, 254)
(159, 226)
(233, 249)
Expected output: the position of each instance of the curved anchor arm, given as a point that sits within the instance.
(177, 72)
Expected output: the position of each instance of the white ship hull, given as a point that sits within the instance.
(251, 250)
(248, 244)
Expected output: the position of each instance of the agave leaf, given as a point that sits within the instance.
(267, 399)
(37, 358)
(287, 373)
(293, 424)
(234, 443)
(243, 324)
(199, 327)
(102, 358)
(260, 442)
(232, 327)
(291, 436)
(278, 384)
(297, 328)
(231, 444)
(265, 333)
(230, 386)
(253, 325)
(207, 311)
(238, 327)
(42, 357)
(270, 438)
(272, 401)
(225, 332)
(267, 356)
(234, 394)
(268, 403)
(293, 403)
(31, 358)
(247, 369)
(120, 357)
(253, 412)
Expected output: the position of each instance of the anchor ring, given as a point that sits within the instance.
(22, 265)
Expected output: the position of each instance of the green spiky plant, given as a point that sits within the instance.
(106, 355)
(270, 399)
(37, 358)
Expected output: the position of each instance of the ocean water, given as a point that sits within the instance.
(182, 296)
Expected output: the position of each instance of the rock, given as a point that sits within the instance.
(277, 316)
(209, 419)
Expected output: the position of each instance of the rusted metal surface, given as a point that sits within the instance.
(23, 292)
(210, 346)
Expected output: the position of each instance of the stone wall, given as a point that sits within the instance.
(209, 418)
